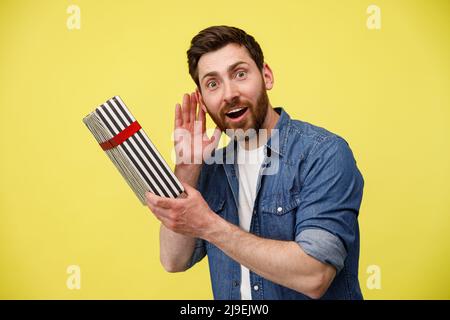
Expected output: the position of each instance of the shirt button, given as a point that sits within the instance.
(279, 209)
(255, 288)
(235, 283)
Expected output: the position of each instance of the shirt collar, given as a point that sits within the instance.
(280, 131)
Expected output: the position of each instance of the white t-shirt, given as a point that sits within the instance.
(249, 163)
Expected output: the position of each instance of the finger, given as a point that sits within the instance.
(198, 102)
(198, 127)
(201, 116)
(178, 116)
(157, 201)
(150, 198)
(152, 208)
(186, 108)
(188, 189)
(202, 119)
(193, 107)
(163, 215)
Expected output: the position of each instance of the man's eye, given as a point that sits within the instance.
(241, 74)
(211, 84)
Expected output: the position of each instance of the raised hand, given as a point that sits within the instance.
(192, 144)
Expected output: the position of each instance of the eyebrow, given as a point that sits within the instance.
(230, 68)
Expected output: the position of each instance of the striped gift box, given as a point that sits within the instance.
(131, 151)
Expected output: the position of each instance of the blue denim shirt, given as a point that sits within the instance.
(309, 191)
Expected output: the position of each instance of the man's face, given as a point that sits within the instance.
(233, 88)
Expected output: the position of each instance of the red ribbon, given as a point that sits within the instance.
(121, 136)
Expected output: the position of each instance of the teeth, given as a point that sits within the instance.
(235, 110)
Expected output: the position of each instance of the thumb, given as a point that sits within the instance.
(188, 189)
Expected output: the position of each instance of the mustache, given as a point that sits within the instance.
(234, 104)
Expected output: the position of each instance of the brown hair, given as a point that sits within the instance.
(217, 37)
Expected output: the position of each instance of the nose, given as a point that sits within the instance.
(231, 93)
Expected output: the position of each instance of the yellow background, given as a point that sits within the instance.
(63, 203)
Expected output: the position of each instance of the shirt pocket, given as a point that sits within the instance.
(280, 204)
(278, 216)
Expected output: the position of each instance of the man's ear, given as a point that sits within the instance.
(200, 100)
(268, 76)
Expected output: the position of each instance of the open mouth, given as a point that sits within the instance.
(236, 113)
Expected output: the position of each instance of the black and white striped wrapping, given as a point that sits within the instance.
(137, 159)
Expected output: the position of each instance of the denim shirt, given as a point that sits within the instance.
(309, 191)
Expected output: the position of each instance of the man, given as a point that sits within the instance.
(291, 233)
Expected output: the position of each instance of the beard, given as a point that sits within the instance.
(253, 120)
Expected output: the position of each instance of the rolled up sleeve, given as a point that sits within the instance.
(323, 246)
(329, 202)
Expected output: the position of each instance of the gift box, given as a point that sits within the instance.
(132, 152)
